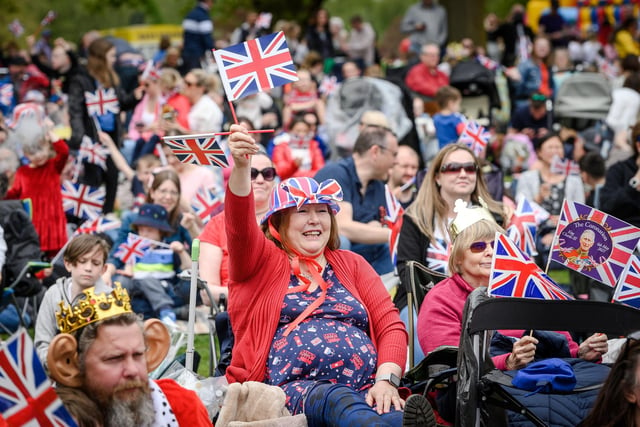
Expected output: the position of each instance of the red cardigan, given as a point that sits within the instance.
(259, 277)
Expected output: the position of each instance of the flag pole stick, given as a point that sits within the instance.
(233, 113)
(195, 254)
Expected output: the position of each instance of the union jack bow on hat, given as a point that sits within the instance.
(295, 192)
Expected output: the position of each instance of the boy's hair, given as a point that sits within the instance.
(593, 164)
(149, 159)
(447, 94)
(83, 244)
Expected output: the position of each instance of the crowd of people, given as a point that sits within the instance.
(359, 152)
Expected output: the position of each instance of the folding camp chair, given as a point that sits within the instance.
(482, 393)
(418, 280)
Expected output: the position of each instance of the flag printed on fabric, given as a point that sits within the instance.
(98, 225)
(301, 191)
(133, 249)
(438, 255)
(102, 101)
(27, 397)
(514, 274)
(48, 19)
(539, 212)
(6, 94)
(564, 166)
(393, 210)
(394, 237)
(264, 20)
(199, 149)
(16, 28)
(93, 152)
(522, 227)
(82, 201)
(474, 136)
(628, 289)
(255, 66)
(206, 204)
(593, 243)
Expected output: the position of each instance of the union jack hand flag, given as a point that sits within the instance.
(474, 136)
(438, 255)
(328, 85)
(26, 395)
(97, 225)
(199, 149)
(95, 153)
(16, 28)
(522, 227)
(82, 201)
(514, 274)
(255, 66)
(133, 249)
(628, 290)
(102, 101)
(394, 237)
(6, 94)
(564, 166)
(393, 209)
(612, 242)
(48, 19)
(264, 20)
(206, 204)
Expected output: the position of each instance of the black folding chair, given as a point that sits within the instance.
(481, 398)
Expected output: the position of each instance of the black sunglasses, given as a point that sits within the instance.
(269, 174)
(457, 167)
(477, 247)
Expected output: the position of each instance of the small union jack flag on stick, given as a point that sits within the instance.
(133, 249)
(27, 397)
(475, 136)
(628, 290)
(92, 152)
(199, 149)
(98, 225)
(82, 201)
(514, 274)
(255, 66)
(328, 85)
(102, 101)
(522, 227)
(48, 19)
(564, 166)
(6, 94)
(393, 210)
(206, 204)
(16, 28)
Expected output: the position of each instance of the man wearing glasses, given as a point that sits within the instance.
(362, 177)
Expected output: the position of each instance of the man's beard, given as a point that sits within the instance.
(135, 410)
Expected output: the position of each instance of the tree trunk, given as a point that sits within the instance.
(465, 19)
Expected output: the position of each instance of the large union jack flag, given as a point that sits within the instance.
(614, 241)
(255, 65)
(82, 201)
(26, 395)
(564, 166)
(514, 274)
(206, 204)
(522, 227)
(200, 149)
(102, 101)
(628, 290)
(93, 153)
(474, 136)
(133, 249)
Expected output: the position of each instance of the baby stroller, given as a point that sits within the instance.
(484, 394)
(478, 88)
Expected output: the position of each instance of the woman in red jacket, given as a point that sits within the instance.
(296, 153)
(308, 317)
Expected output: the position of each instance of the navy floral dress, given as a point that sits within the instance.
(331, 345)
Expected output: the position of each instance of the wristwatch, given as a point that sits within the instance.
(393, 379)
(634, 182)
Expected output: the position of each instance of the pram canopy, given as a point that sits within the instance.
(583, 96)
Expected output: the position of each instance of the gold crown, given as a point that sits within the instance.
(92, 308)
(467, 216)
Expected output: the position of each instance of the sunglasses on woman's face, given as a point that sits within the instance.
(455, 167)
(477, 247)
(269, 174)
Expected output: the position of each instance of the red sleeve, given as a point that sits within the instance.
(440, 318)
(185, 404)
(285, 166)
(62, 154)
(15, 191)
